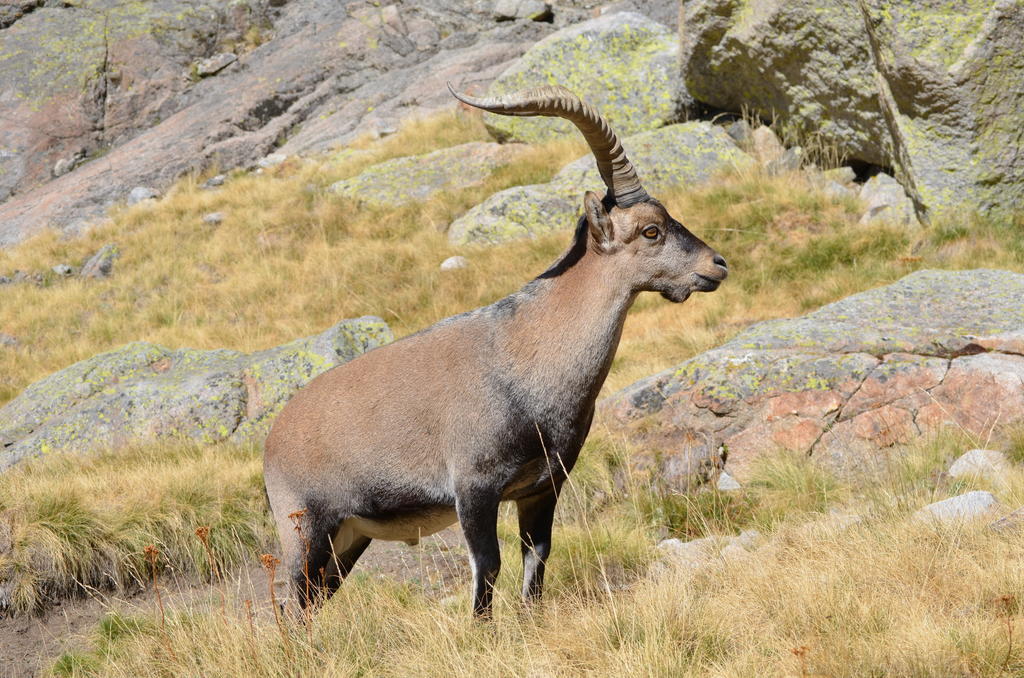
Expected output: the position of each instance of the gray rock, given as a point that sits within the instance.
(741, 132)
(683, 154)
(843, 384)
(621, 63)
(454, 263)
(141, 193)
(5, 280)
(214, 181)
(215, 64)
(417, 177)
(973, 463)
(101, 264)
(694, 553)
(886, 201)
(841, 175)
(931, 90)
(789, 161)
(726, 483)
(8, 341)
(533, 10)
(143, 391)
(213, 218)
(62, 270)
(766, 147)
(967, 506)
(749, 539)
(271, 160)
(839, 191)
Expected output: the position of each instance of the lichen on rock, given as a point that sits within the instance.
(142, 391)
(622, 63)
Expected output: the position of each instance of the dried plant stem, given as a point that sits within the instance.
(270, 564)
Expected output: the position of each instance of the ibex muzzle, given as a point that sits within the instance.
(483, 407)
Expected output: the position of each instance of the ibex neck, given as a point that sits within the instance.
(566, 329)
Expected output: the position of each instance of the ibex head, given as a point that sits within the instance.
(651, 250)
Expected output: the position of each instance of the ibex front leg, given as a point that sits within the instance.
(536, 515)
(477, 509)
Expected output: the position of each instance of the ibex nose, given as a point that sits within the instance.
(720, 261)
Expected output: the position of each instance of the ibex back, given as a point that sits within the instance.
(483, 407)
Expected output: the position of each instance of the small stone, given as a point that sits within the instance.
(766, 146)
(726, 483)
(213, 218)
(733, 551)
(741, 133)
(989, 463)
(453, 263)
(62, 167)
(62, 270)
(749, 539)
(966, 506)
(141, 193)
(789, 161)
(693, 553)
(841, 175)
(533, 10)
(9, 341)
(101, 264)
(886, 201)
(5, 280)
(214, 181)
(215, 64)
(272, 160)
(836, 190)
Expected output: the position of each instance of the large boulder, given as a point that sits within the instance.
(931, 88)
(875, 370)
(142, 391)
(681, 154)
(417, 177)
(622, 63)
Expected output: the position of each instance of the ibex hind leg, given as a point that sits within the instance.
(330, 550)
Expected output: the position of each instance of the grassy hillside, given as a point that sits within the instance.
(887, 596)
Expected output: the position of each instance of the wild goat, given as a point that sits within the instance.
(488, 406)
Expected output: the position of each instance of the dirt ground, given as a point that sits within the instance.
(30, 643)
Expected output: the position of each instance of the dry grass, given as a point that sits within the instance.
(886, 596)
(79, 523)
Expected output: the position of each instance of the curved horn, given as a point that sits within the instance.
(554, 101)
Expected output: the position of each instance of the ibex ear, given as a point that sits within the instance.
(598, 221)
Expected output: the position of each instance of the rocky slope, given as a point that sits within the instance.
(117, 95)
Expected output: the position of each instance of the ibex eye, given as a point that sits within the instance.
(651, 232)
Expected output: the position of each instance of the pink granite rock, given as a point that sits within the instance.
(844, 384)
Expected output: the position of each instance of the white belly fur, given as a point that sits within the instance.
(405, 528)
